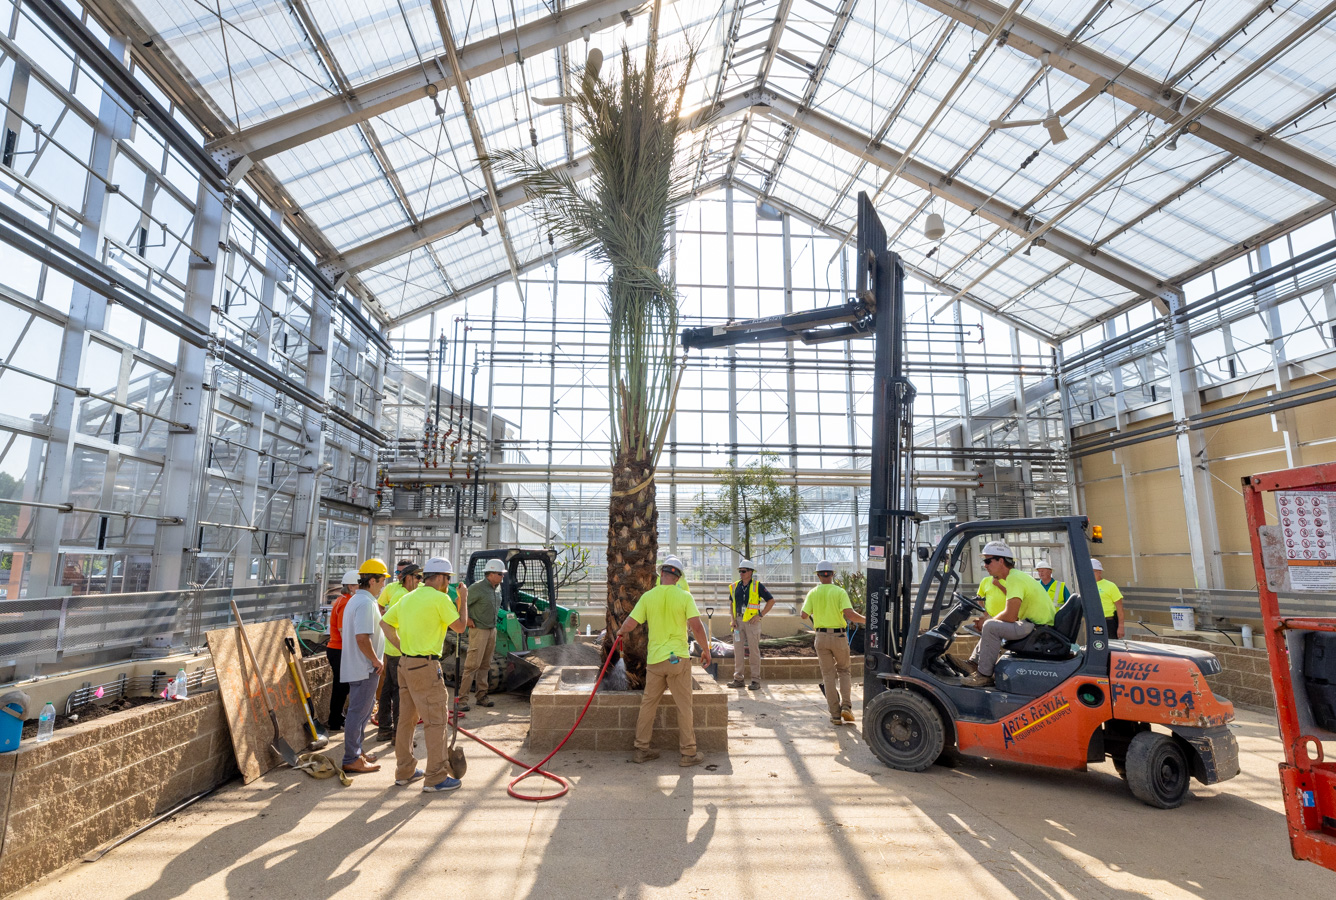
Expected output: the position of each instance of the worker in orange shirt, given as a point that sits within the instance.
(338, 695)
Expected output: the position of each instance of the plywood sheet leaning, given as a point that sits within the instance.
(240, 690)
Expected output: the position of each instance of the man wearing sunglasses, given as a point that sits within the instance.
(1015, 604)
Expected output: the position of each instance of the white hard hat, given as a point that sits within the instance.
(349, 577)
(438, 565)
(998, 548)
(1097, 565)
(825, 566)
(494, 565)
(747, 564)
(672, 562)
(1043, 564)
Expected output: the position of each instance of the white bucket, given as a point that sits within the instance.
(1185, 618)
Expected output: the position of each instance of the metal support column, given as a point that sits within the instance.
(855, 537)
(87, 314)
(319, 361)
(1275, 333)
(1193, 467)
(1120, 420)
(185, 456)
(792, 387)
(1022, 427)
(731, 276)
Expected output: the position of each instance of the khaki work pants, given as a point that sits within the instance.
(676, 677)
(422, 694)
(478, 662)
(991, 636)
(747, 634)
(832, 652)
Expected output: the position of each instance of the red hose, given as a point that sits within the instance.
(537, 769)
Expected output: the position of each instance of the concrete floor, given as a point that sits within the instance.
(796, 809)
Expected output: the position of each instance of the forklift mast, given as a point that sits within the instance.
(878, 311)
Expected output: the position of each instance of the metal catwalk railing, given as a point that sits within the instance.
(49, 630)
(1211, 605)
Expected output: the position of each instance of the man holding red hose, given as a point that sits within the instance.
(668, 611)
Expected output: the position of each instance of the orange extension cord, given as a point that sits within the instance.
(538, 768)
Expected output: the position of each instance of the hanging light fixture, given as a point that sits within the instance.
(934, 229)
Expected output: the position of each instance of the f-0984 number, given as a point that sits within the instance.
(1153, 696)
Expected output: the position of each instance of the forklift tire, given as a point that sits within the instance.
(904, 730)
(1158, 771)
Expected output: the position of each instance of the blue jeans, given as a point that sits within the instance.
(361, 697)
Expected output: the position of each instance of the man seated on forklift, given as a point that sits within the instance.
(1015, 603)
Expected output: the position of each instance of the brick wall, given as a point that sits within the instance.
(778, 668)
(98, 780)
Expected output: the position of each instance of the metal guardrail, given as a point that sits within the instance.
(47, 630)
(1211, 605)
(591, 596)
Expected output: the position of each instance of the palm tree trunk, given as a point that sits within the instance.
(633, 547)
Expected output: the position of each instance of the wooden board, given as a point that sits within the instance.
(240, 688)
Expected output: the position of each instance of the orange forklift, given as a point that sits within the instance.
(1065, 696)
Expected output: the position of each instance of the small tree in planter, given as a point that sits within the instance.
(753, 499)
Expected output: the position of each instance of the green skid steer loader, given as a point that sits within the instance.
(529, 617)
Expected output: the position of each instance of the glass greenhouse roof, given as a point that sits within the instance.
(1192, 129)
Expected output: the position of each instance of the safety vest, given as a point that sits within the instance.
(1055, 591)
(753, 599)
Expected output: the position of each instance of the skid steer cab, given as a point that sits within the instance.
(529, 616)
(1064, 696)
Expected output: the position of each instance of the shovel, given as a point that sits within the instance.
(455, 755)
(318, 740)
(280, 746)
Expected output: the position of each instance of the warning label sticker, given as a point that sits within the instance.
(1309, 537)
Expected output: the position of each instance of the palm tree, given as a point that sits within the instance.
(620, 215)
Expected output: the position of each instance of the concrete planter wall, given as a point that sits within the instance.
(610, 723)
(96, 781)
(779, 668)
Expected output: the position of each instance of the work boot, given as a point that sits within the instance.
(483, 701)
(978, 679)
(737, 683)
(687, 762)
(360, 766)
(754, 686)
(384, 735)
(836, 720)
(462, 705)
(847, 715)
(644, 756)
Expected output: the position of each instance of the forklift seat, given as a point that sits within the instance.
(1051, 641)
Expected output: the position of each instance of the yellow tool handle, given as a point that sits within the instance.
(306, 710)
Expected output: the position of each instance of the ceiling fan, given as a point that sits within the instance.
(1052, 121)
(593, 63)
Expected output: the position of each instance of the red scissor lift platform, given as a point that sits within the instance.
(1298, 554)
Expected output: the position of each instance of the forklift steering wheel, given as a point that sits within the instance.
(971, 603)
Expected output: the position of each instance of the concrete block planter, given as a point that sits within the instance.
(611, 721)
(95, 781)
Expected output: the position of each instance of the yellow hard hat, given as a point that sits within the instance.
(373, 566)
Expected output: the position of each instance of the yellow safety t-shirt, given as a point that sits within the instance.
(1036, 605)
(665, 610)
(392, 594)
(826, 604)
(422, 617)
(1108, 596)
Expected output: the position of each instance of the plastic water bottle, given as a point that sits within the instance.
(46, 723)
(178, 691)
(672, 658)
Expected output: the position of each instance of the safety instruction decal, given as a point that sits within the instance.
(1309, 538)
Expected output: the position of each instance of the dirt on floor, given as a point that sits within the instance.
(88, 712)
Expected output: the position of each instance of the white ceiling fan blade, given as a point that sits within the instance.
(1019, 123)
(1079, 100)
(553, 101)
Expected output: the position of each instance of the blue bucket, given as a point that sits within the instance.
(11, 727)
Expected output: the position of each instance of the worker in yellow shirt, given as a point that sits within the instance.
(416, 626)
(407, 576)
(1057, 590)
(1112, 600)
(668, 611)
(1015, 603)
(829, 608)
